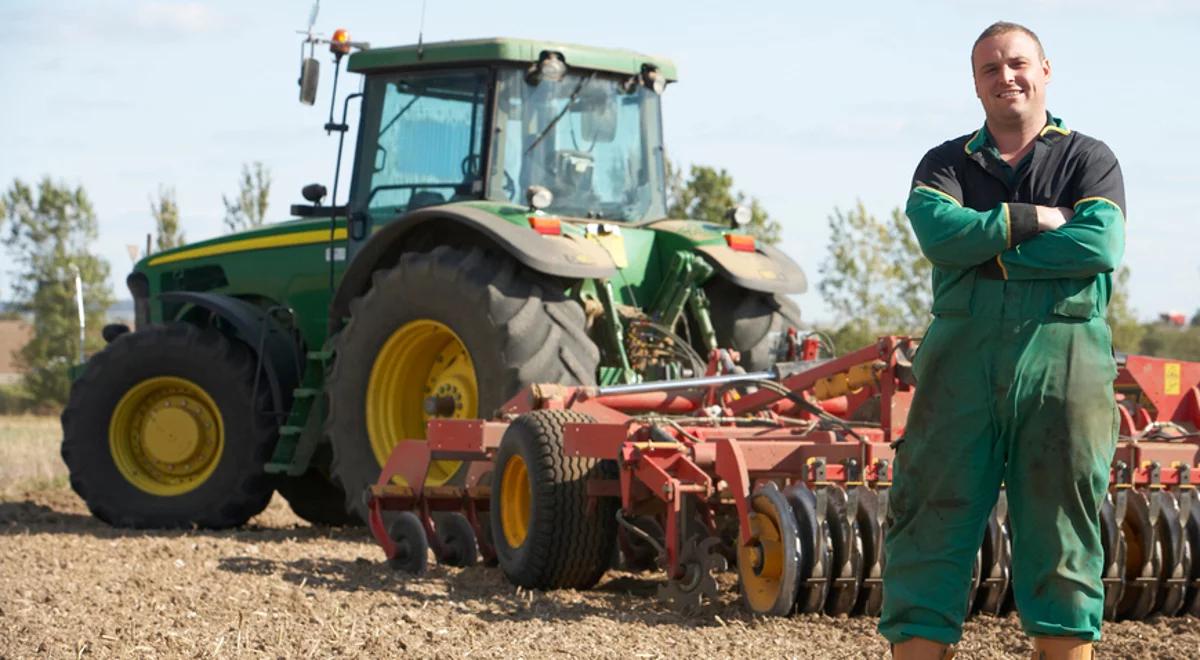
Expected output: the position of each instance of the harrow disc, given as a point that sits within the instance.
(1169, 534)
(769, 566)
(846, 567)
(995, 561)
(412, 547)
(1143, 555)
(1189, 503)
(457, 539)
(1113, 542)
(872, 526)
(816, 551)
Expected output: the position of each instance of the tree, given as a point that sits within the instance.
(165, 210)
(708, 195)
(875, 279)
(1127, 333)
(49, 234)
(249, 208)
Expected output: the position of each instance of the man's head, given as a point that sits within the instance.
(1011, 72)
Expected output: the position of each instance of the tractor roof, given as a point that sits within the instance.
(500, 49)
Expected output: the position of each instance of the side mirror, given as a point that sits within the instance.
(310, 72)
(313, 192)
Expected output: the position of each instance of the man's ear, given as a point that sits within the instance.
(1046, 69)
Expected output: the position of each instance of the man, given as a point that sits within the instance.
(1023, 221)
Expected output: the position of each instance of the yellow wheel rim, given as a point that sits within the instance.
(421, 359)
(760, 564)
(516, 501)
(166, 436)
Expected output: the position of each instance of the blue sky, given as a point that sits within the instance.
(810, 106)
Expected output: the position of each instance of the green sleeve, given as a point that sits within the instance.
(953, 236)
(1092, 242)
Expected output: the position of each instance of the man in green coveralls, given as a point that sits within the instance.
(1024, 223)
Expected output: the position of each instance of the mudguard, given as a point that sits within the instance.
(766, 269)
(566, 256)
(280, 355)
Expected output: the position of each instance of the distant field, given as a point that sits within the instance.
(29, 457)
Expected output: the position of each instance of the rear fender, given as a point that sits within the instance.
(566, 256)
(766, 269)
(267, 338)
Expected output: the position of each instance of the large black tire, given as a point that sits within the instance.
(751, 322)
(517, 327)
(316, 499)
(566, 544)
(220, 368)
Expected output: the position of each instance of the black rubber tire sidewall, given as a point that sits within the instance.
(750, 322)
(237, 488)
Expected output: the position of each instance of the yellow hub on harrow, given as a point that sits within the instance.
(421, 361)
(166, 436)
(769, 565)
(516, 501)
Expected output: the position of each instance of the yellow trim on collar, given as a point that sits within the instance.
(1003, 270)
(311, 237)
(939, 194)
(967, 147)
(1056, 129)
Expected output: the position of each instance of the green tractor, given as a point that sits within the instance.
(505, 225)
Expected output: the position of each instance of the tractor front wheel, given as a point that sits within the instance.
(166, 429)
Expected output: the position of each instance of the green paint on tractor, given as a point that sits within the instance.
(505, 224)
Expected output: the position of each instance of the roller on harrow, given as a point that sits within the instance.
(783, 474)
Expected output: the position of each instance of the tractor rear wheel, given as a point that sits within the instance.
(546, 534)
(450, 333)
(751, 322)
(166, 429)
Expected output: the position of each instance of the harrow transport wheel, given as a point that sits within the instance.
(816, 550)
(547, 533)
(450, 333)
(412, 546)
(313, 497)
(457, 537)
(165, 429)
(769, 567)
(751, 322)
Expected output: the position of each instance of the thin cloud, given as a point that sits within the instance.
(178, 17)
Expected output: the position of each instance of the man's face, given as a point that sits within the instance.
(1010, 77)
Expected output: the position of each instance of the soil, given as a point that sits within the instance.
(72, 586)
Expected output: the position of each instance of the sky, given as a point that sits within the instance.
(810, 106)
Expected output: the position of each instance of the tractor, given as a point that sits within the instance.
(505, 224)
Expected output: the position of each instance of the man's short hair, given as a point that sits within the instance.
(1004, 27)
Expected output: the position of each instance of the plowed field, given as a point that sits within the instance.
(72, 586)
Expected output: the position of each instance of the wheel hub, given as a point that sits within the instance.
(166, 435)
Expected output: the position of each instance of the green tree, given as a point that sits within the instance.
(875, 279)
(249, 208)
(708, 194)
(49, 235)
(1127, 333)
(165, 210)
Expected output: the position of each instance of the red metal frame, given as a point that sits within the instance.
(718, 461)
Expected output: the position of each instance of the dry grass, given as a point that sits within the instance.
(29, 453)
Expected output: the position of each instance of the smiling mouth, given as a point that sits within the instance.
(1009, 94)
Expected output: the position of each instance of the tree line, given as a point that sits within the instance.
(874, 279)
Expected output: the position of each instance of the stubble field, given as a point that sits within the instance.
(70, 586)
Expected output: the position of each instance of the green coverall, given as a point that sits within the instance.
(1014, 386)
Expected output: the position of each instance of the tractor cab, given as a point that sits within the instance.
(567, 130)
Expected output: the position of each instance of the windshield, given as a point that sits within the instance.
(596, 147)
